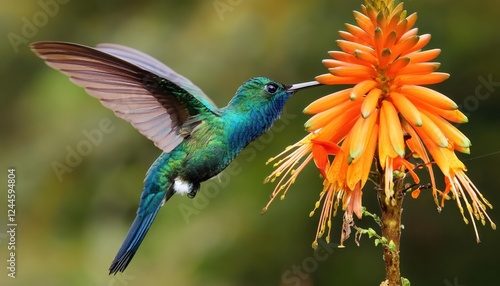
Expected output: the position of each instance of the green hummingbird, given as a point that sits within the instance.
(197, 138)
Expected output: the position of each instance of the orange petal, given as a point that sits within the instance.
(391, 40)
(407, 109)
(454, 116)
(401, 28)
(411, 20)
(359, 34)
(364, 22)
(394, 127)
(450, 115)
(360, 134)
(378, 39)
(329, 63)
(321, 119)
(347, 36)
(369, 58)
(367, 161)
(450, 131)
(382, 20)
(328, 101)
(352, 71)
(434, 150)
(401, 48)
(422, 42)
(385, 149)
(396, 12)
(338, 170)
(397, 65)
(350, 47)
(435, 77)
(465, 150)
(320, 158)
(345, 57)
(385, 58)
(337, 130)
(362, 88)
(359, 169)
(329, 147)
(370, 102)
(395, 17)
(432, 131)
(418, 57)
(428, 96)
(409, 33)
(419, 68)
(331, 79)
(369, 11)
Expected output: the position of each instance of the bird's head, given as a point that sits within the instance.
(260, 92)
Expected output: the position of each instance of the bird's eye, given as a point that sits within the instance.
(271, 88)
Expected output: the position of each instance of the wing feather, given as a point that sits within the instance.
(138, 88)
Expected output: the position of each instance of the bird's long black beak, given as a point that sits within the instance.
(298, 86)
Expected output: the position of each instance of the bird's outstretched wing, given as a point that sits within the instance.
(156, 100)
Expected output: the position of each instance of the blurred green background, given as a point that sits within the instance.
(69, 230)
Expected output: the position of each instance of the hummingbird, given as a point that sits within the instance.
(198, 139)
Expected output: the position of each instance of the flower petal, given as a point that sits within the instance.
(350, 47)
(360, 134)
(364, 22)
(359, 169)
(359, 34)
(397, 65)
(385, 148)
(328, 101)
(424, 56)
(432, 131)
(352, 71)
(401, 48)
(331, 79)
(394, 127)
(450, 131)
(321, 119)
(368, 58)
(370, 102)
(435, 77)
(407, 109)
(353, 59)
(428, 96)
(362, 88)
(422, 42)
(419, 68)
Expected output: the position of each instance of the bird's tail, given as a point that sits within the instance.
(150, 204)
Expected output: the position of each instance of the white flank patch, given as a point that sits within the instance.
(181, 187)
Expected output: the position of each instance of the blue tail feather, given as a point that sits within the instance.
(148, 208)
(134, 238)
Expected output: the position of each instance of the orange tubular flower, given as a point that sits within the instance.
(387, 115)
